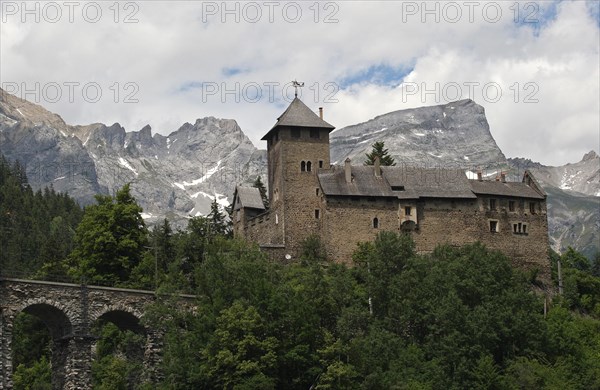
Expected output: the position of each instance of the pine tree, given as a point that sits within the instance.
(379, 151)
(218, 224)
(263, 191)
(163, 245)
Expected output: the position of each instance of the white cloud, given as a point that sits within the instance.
(171, 47)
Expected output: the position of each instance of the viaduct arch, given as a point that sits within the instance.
(69, 311)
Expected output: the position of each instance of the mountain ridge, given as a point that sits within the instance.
(178, 175)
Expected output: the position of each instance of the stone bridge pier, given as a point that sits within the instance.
(69, 311)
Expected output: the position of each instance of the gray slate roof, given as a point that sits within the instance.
(298, 114)
(429, 182)
(364, 183)
(416, 183)
(249, 197)
(515, 189)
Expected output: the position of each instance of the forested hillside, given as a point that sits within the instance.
(456, 318)
(36, 228)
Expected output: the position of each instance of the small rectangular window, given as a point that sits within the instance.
(511, 205)
(407, 210)
(524, 229)
(532, 207)
(515, 228)
(295, 133)
(314, 133)
(317, 192)
(321, 164)
(493, 226)
(317, 214)
(492, 204)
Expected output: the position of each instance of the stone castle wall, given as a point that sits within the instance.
(348, 221)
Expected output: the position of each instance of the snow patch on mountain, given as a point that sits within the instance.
(126, 164)
(207, 176)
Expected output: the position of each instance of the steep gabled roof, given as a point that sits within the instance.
(248, 197)
(299, 115)
(532, 182)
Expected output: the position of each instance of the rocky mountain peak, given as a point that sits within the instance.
(454, 134)
(591, 155)
(22, 110)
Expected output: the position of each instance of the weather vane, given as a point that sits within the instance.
(297, 84)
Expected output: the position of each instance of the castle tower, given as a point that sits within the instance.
(297, 147)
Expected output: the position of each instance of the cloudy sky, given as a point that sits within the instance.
(534, 66)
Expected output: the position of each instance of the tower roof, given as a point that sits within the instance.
(298, 114)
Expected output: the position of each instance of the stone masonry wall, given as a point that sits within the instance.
(455, 222)
(302, 198)
(350, 221)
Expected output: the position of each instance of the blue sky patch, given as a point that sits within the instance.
(189, 86)
(377, 74)
(228, 72)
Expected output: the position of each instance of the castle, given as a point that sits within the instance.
(348, 204)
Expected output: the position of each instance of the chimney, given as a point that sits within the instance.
(348, 170)
(479, 175)
(377, 167)
(321, 112)
(503, 177)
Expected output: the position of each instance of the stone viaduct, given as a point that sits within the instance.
(69, 311)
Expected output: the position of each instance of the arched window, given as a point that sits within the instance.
(309, 166)
(375, 223)
(303, 166)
